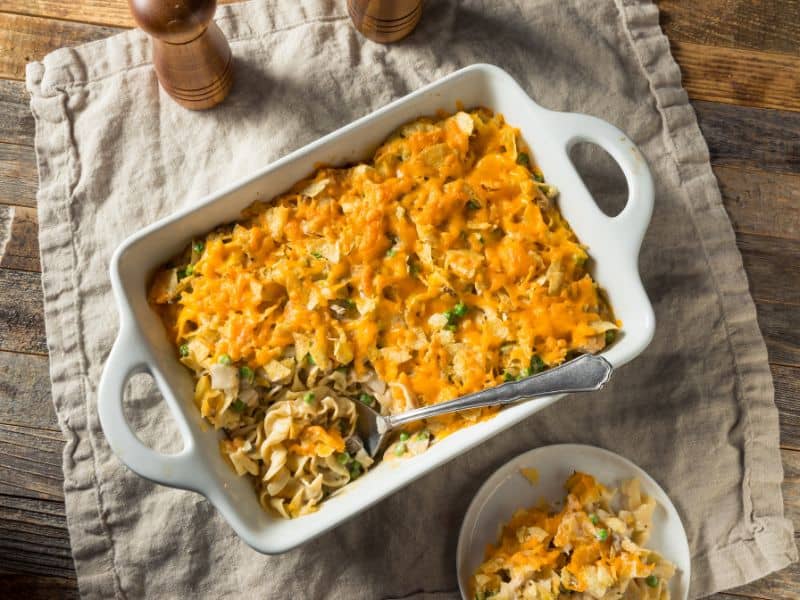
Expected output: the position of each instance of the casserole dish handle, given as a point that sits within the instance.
(631, 223)
(128, 358)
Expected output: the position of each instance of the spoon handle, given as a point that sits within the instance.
(586, 373)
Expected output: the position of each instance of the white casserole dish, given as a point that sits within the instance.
(142, 344)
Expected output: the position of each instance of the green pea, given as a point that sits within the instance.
(538, 177)
(309, 398)
(316, 254)
(183, 350)
(198, 247)
(594, 519)
(602, 534)
(246, 373)
(611, 335)
(652, 581)
(537, 365)
(237, 405)
(366, 399)
(343, 458)
(460, 309)
(523, 159)
(473, 205)
(404, 436)
(508, 376)
(391, 252)
(224, 359)
(310, 359)
(400, 449)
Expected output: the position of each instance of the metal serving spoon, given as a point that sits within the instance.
(586, 373)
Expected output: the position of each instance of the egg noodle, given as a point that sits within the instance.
(586, 550)
(440, 268)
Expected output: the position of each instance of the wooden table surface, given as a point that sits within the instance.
(741, 66)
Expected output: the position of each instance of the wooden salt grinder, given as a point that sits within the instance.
(191, 56)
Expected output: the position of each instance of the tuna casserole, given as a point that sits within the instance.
(590, 549)
(440, 267)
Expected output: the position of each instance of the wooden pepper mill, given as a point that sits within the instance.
(385, 21)
(192, 58)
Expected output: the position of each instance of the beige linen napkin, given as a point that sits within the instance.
(115, 153)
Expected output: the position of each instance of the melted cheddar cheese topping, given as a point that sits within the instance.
(443, 264)
(585, 550)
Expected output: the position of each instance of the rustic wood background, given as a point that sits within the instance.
(741, 66)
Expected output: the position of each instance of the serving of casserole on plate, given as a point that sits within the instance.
(436, 266)
(572, 521)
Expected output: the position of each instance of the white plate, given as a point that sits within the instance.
(142, 344)
(508, 490)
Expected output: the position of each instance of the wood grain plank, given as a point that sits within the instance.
(767, 26)
(34, 560)
(22, 249)
(114, 13)
(743, 77)
(26, 39)
(787, 391)
(752, 138)
(18, 177)
(34, 519)
(101, 12)
(30, 463)
(37, 587)
(761, 202)
(778, 323)
(16, 120)
(25, 392)
(21, 312)
(773, 268)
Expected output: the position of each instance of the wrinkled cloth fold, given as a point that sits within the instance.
(115, 153)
